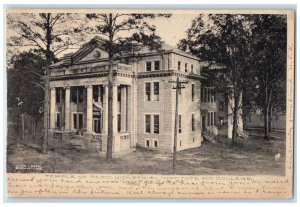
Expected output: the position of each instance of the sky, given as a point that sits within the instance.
(173, 29)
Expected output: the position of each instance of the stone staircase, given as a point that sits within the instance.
(69, 140)
(207, 135)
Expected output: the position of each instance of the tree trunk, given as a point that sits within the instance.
(235, 118)
(46, 98)
(266, 122)
(270, 120)
(110, 113)
(46, 114)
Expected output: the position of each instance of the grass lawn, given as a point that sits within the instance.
(250, 157)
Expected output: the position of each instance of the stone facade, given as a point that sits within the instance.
(144, 100)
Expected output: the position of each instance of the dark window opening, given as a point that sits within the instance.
(148, 143)
(193, 92)
(179, 65)
(148, 66)
(119, 122)
(58, 120)
(155, 143)
(148, 123)
(156, 124)
(156, 65)
(148, 91)
(193, 122)
(156, 91)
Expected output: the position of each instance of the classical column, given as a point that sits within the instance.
(124, 109)
(52, 108)
(89, 108)
(115, 108)
(67, 108)
(105, 109)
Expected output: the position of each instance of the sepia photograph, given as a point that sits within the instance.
(138, 100)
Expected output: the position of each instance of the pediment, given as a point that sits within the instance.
(93, 50)
(94, 54)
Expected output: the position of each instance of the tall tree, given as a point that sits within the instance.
(269, 60)
(27, 95)
(223, 39)
(48, 34)
(123, 32)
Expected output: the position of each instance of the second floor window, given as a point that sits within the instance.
(193, 122)
(186, 67)
(156, 124)
(156, 65)
(59, 95)
(148, 65)
(98, 93)
(148, 123)
(152, 123)
(77, 94)
(193, 92)
(148, 91)
(192, 68)
(207, 95)
(152, 91)
(179, 65)
(156, 91)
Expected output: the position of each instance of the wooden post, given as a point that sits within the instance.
(178, 88)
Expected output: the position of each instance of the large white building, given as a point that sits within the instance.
(144, 99)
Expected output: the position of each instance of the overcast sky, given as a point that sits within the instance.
(172, 29)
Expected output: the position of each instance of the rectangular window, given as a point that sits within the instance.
(156, 124)
(80, 121)
(193, 122)
(186, 67)
(155, 144)
(193, 92)
(156, 91)
(192, 68)
(58, 94)
(148, 91)
(157, 65)
(179, 124)
(119, 122)
(74, 94)
(74, 121)
(147, 143)
(212, 119)
(148, 65)
(179, 65)
(202, 95)
(208, 119)
(80, 94)
(98, 93)
(148, 123)
(58, 120)
(77, 94)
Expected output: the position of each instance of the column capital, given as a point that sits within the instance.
(88, 86)
(52, 88)
(67, 87)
